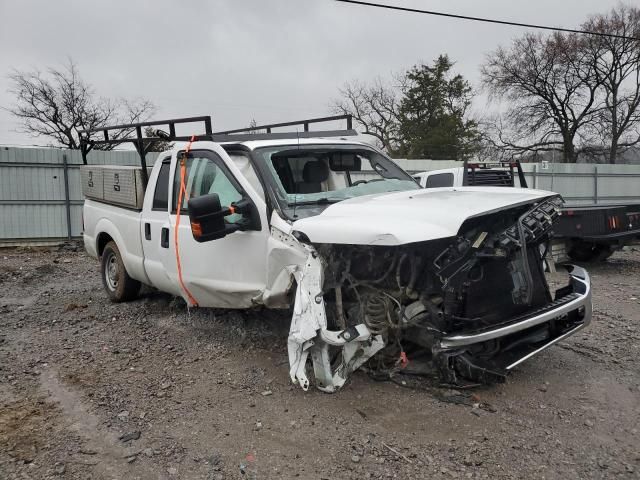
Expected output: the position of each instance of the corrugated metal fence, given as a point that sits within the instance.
(579, 184)
(40, 193)
(41, 198)
(582, 184)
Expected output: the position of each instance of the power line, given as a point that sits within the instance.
(486, 20)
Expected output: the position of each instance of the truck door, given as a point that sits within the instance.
(155, 228)
(228, 272)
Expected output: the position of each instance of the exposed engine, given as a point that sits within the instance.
(413, 295)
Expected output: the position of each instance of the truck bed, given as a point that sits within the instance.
(103, 221)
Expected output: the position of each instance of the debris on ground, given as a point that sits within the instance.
(149, 389)
(127, 437)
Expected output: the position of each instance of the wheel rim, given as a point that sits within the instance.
(111, 271)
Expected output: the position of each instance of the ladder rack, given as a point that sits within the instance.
(120, 134)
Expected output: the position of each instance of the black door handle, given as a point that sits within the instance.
(164, 237)
(147, 231)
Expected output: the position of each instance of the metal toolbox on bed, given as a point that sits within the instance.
(113, 184)
(92, 183)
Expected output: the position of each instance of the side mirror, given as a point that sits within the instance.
(207, 218)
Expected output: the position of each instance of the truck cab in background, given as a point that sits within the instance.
(478, 174)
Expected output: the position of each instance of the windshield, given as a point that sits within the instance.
(317, 175)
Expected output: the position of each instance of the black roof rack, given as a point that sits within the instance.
(305, 124)
(119, 134)
(485, 174)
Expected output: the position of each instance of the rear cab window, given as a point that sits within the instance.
(161, 193)
(440, 180)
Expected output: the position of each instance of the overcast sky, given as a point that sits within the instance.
(272, 60)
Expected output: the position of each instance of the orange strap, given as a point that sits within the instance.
(181, 196)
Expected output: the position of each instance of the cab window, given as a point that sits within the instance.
(243, 163)
(439, 180)
(206, 174)
(161, 193)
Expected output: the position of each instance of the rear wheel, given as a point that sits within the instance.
(582, 251)
(605, 252)
(118, 284)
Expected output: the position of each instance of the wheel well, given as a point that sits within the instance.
(103, 239)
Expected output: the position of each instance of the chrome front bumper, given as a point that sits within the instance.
(575, 303)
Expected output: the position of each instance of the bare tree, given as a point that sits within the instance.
(57, 104)
(375, 107)
(551, 87)
(253, 127)
(616, 63)
(498, 142)
(157, 145)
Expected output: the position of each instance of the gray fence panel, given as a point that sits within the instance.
(32, 183)
(33, 221)
(33, 203)
(76, 220)
(582, 184)
(75, 185)
(620, 181)
(417, 166)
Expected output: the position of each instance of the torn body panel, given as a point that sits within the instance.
(309, 335)
(284, 255)
(476, 304)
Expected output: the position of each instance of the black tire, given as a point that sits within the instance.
(581, 251)
(605, 252)
(116, 281)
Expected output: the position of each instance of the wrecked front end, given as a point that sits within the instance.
(474, 305)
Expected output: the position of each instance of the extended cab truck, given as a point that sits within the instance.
(369, 268)
(583, 233)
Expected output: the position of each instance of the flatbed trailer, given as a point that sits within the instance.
(582, 233)
(594, 232)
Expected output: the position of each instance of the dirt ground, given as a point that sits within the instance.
(148, 390)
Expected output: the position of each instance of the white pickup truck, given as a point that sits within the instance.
(377, 267)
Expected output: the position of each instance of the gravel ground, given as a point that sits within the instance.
(149, 390)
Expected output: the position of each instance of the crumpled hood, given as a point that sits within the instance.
(412, 216)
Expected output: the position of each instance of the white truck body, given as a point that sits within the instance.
(293, 253)
(443, 177)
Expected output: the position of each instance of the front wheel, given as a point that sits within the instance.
(118, 284)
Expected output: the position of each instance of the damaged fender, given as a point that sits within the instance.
(308, 334)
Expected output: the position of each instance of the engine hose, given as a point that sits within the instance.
(403, 257)
(415, 265)
(386, 273)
